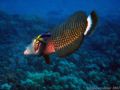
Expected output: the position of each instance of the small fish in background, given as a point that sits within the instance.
(64, 39)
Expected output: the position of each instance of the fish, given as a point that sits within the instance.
(64, 39)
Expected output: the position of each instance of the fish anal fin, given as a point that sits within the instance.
(47, 59)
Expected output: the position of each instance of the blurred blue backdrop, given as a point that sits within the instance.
(44, 7)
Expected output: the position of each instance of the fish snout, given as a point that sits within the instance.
(26, 52)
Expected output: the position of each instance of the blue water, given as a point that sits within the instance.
(96, 65)
(60, 7)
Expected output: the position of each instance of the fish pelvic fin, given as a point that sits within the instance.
(92, 20)
(47, 59)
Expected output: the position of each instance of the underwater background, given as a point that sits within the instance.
(95, 66)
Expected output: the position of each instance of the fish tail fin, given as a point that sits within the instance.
(92, 20)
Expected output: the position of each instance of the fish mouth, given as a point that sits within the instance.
(26, 52)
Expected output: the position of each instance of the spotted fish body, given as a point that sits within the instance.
(64, 39)
(68, 37)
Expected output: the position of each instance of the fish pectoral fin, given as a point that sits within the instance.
(47, 59)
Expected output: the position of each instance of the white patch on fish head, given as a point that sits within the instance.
(30, 49)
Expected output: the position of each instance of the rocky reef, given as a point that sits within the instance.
(96, 64)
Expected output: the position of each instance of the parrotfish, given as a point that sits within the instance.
(66, 38)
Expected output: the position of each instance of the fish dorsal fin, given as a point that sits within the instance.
(77, 17)
(74, 21)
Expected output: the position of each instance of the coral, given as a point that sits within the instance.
(53, 81)
(46, 78)
(72, 82)
(27, 82)
(65, 67)
(6, 86)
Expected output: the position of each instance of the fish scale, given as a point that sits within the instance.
(68, 36)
